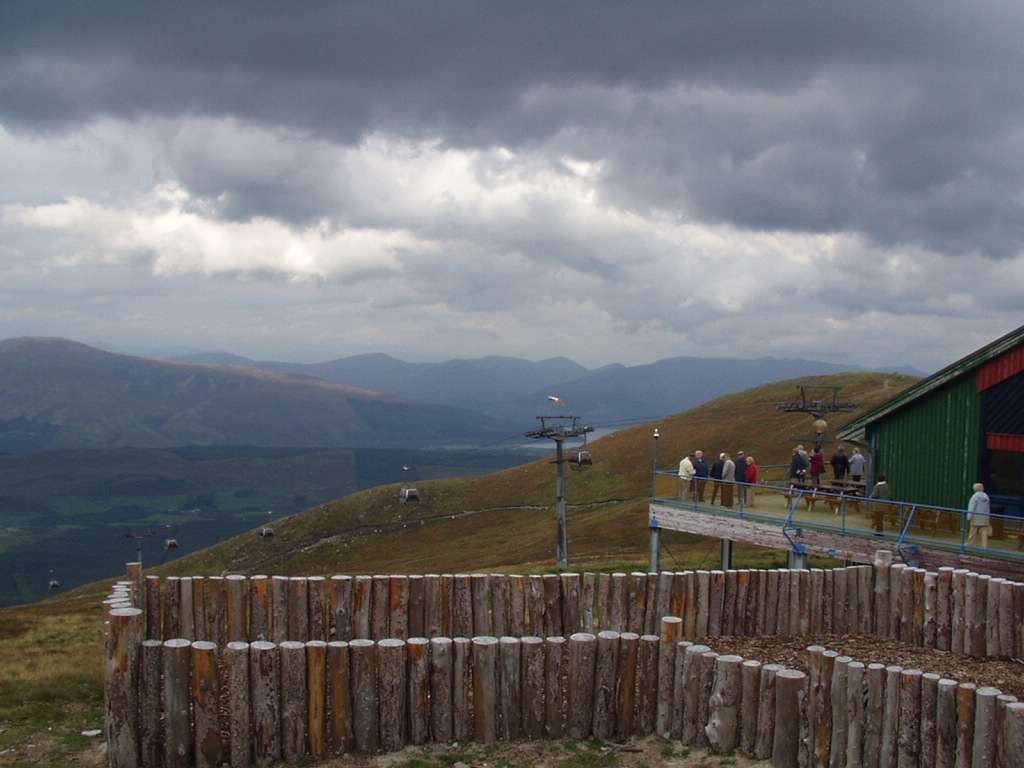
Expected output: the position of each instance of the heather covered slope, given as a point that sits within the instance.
(505, 521)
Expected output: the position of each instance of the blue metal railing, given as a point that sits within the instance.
(853, 515)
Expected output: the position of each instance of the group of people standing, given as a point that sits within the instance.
(813, 464)
(729, 479)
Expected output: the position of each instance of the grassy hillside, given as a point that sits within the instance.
(51, 652)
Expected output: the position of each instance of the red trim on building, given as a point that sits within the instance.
(996, 442)
(1001, 368)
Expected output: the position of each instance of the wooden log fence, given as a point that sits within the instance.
(278, 670)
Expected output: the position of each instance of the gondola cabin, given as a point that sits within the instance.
(581, 460)
(170, 544)
(410, 496)
(267, 533)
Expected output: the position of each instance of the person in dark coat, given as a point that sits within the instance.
(702, 471)
(840, 464)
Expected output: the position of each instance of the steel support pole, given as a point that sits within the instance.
(655, 547)
(726, 554)
(563, 526)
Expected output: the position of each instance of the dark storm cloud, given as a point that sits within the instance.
(900, 121)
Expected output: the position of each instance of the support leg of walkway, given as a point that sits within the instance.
(726, 554)
(655, 547)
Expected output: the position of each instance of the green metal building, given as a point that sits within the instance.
(960, 426)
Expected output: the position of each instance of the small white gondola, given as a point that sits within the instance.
(170, 544)
(410, 496)
(581, 460)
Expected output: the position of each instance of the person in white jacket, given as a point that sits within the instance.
(978, 510)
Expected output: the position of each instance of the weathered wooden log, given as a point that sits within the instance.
(535, 604)
(200, 630)
(944, 608)
(259, 608)
(339, 606)
(280, 594)
(480, 593)
(172, 607)
(153, 608)
(964, 755)
(517, 600)
(1018, 620)
(418, 649)
(604, 602)
(874, 714)
(992, 617)
(588, 598)
(533, 687)
(1010, 740)
(865, 596)
(556, 661)
(671, 627)
(724, 705)
(398, 607)
(626, 684)
(121, 716)
(499, 606)
(362, 599)
(446, 588)
(840, 600)
(821, 664)
(716, 596)
(929, 703)
(363, 682)
(380, 607)
(974, 614)
(782, 602)
(462, 688)
(945, 723)
(815, 590)
(1007, 620)
(485, 689)
(339, 696)
(432, 605)
(392, 692)
(317, 697)
(239, 704)
(441, 660)
(298, 609)
(238, 607)
(605, 678)
(909, 742)
(553, 605)
(889, 751)
(151, 741)
(177, 703)
(417, 614)
(707, 662)
(462, 605)
(663, 604)
(651, 619)
(572, 610)
(729, 594)
(510, 682)
(929, 608)
(210, 749)
(985, 727)
(676, 726)
(637, 603)
(837, 706)
(959, 642)
(684, 601)
(618, 609)
(294, 711)
(790, 687)
(580, 695)
(750, 700)
(855, 715)
(766, 714)
(880, 606)
(317, 601)
(646, 708)
(690, 688)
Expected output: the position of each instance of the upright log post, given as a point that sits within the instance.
(790, 697)
(210, 747)
(393, 693)
(605, 678)
(555, 668)
(339, 696)
(485, 689)
(363, 660)
(582, 661)
(239, 704)
(441, 661)
(318, 729)
(419, 689)
(123, 638)
(724, 706)
(177, 703)
(533, 687)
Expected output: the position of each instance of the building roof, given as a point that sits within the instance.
(993, 354)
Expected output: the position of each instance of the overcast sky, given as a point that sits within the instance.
(608, 181)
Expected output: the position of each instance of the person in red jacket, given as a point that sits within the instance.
(751, 480)
(817, 464)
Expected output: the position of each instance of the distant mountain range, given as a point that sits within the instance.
(57, 393)
(517, 390)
